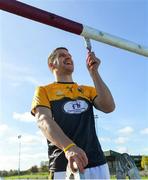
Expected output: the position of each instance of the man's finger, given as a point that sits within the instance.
(85, 159)
(81, 160)
(79, 164)
(82, 157)
(70, 164)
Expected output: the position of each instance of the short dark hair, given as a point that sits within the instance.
(54, 53)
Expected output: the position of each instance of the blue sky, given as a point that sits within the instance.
(24, 48)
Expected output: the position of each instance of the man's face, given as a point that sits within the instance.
(63, 62)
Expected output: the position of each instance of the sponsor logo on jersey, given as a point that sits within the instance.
(59, 93)
(75, 107)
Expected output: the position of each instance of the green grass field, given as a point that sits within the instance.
(30, 176)
(42, 176)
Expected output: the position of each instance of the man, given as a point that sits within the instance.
(64, 112)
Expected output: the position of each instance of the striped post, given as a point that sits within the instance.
(50, 19)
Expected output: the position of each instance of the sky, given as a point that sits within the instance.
(24, 48)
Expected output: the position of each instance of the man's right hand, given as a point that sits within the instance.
(77, 155)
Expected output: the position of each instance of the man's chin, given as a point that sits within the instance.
(69, 70)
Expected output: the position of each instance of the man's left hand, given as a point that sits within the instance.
(92, 62)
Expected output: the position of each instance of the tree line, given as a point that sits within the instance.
(34, 169)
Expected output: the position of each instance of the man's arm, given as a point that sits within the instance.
(55, 135)
(104, 101)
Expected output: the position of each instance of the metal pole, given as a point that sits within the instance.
(50, 19)
(112, 40)
(96, 123)
(19, 137)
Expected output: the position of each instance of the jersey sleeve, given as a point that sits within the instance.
(93, 93)
(40, 99)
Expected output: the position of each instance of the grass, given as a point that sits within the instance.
(30, 176)
(143, 177)
(43, 176)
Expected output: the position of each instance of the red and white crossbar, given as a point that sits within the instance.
(50, 19)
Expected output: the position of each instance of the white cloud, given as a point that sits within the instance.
(5, 131)
(121, 140)
(144, 131)
(3, 128)
(31, 80)
(28, 139)
(39, 133)
(8, 162)
(11, 67)
(20, 80)
(33, 150)
(145, 151)
(31, 139)
(18, 75)
(104, 139)
(122, 149)
(35, 155)
(126, 131)
(26, 117)
(26, 160)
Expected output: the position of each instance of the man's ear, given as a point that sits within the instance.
(51, 66)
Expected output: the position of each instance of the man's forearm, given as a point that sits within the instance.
(53, 132)
(104, 100)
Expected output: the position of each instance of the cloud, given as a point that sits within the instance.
(35, 155)
(3, 128)
(39, 133)
(144, 131)
(31, 80)
(16, 80)
(5, 131)
(11, 67)
(25, 117)
(28, 139)
(104, 139)
(145, 150)
(122, 149)
(8, 162)
(18, 76)
(33, 149)
(126, 131)
(31, 139)
(26, 160)
(121, 140)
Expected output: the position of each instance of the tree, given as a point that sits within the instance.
(3, 173)
(144, 162)
(12, 172)
(34, 169)
(44, 166)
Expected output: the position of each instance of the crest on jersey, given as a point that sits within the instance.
(75, 107)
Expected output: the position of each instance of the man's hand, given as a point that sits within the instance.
(77, 155)
(92, 62)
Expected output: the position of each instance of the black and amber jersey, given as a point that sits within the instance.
(72, 109)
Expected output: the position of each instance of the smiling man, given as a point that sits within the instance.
(64, 112)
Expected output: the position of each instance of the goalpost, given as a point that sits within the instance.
(39, 15)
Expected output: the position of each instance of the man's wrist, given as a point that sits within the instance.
(68, 147)
(94, 73)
